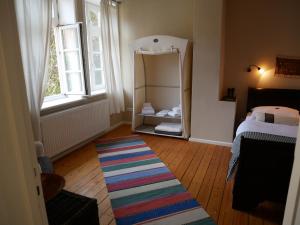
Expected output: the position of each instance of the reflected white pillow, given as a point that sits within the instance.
(276, 110)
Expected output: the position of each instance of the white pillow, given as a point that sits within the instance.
(278, 119)
(277, 110)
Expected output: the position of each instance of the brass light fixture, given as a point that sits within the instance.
(259, 69)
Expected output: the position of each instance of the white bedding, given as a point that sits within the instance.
(250, 124)
(169, 127)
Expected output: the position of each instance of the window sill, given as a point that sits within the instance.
(60, 101)
(64, 103)
(99, 92)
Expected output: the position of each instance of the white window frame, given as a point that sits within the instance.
(54, 14)
(54, 27)
(92, 31)
(86, 58)
(62, 69)
(54, 97)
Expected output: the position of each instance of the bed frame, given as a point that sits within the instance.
(270, 97)
(265, 177)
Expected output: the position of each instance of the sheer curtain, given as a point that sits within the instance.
(34, 24)
(111, 55)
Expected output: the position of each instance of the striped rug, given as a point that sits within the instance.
(142, 189)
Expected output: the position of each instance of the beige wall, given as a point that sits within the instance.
(139, 18)
(257, 31)
(20, 204)
(212, 120)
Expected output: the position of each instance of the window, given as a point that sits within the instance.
(94, 47)
(53, 86)
(70, 55)
(65, 66)
(66, 72)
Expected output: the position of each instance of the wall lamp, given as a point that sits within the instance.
(259, 69)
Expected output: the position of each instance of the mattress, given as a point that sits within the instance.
(251, 125)
(257, 130)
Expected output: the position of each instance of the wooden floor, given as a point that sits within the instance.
(201, 168)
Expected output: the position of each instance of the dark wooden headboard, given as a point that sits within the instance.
(273, 97)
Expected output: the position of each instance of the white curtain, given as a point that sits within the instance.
(34, 24)
(111, 55)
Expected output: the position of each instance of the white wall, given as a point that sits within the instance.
(139, 18)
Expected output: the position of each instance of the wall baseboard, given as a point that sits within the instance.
(113, 127)
(205, 141)
(117, 125)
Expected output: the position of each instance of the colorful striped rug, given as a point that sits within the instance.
(142, 189)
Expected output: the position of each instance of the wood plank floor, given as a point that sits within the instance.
(201, 168)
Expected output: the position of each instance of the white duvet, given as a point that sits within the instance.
(251, 125)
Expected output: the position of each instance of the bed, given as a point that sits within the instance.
(263, 153)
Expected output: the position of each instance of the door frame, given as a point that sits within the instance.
(20, 190)
(292, 207)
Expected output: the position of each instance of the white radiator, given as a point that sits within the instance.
(65, 129)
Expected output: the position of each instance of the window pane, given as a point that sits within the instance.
(53, 85)
(74, 82)
(95, 55)
(97, 61)
(70, 40)
(96, 44)
(93, 18)
(98, 77)
(72, 60)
